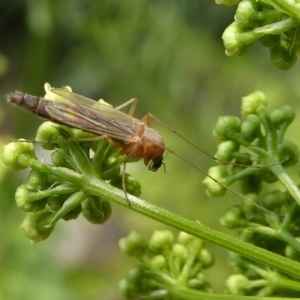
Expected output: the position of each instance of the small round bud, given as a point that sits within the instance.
(37, 181)
(207, 258)
(35, 225)
(158, 262)
(180, 252)
(96, 210)
(288, 150)
(133, 187)
(283, 115)
(254, 103)
(47, 132)
(270, 41)
(250, 127)
(185, 238)
(291, 252)
(73, 214)
(125, 289)
(237, 284)
(226, 126)
(233, 218)
(251, 184)
(246, 12)
(226, 150)
(282, 56)
(25, 199)
(161, 240)
(134, 245)
(231, 40)
(55, 202)
(12, 153)
(58, 159)
(246, 235)
(268, 176)
(274, 199)
(217, 174)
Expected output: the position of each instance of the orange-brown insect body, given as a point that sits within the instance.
(135, 138)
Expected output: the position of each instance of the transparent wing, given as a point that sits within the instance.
(88, 115)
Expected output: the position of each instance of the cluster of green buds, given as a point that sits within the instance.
(169, 269)
(257, 141)
(253, 150)
(57, 190)
(257, 280)
(275, 23)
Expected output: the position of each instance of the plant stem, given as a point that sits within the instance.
(92, 185)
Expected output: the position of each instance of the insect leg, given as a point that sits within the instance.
(123, 183)
(133, 102)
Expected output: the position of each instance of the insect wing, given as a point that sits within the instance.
(91, 116)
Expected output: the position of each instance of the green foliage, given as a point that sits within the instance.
(275, 23)
(169, 268)
(168, 54)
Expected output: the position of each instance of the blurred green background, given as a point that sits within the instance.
(168, 54)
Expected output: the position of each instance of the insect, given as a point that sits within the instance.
(134, 137)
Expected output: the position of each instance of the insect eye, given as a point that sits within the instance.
(156, 164)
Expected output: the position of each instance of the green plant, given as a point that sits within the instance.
(275, 23)
(78, 182)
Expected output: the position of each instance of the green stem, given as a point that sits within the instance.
(182, 292)
(288, 183)
(91, 185)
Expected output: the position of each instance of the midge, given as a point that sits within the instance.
(135, 138)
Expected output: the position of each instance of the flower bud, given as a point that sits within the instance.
(133, 245)
(207, 258)
(254, 103)
(96, 210)
(282, 56)
(226, 126)
(217, 174)
(246, 12)
(231, 40)
(288, 150)
(35, 225)
(37, 181)
(250, 127)
(274, 199)
(13, 151)
(268, 176)
(270, 41)
(226, 150)
(291, 252)
(237, 284)
(48, 133)
(233, 218)
(58, 159)
(161, 240)
(185, 238)
(73, 214)
(134, 275)
(179, 252)
(251, 184)
(26, 201)
(246, 235)
(132, 185)
(158, 262)
(283, 115)
(125, 289)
